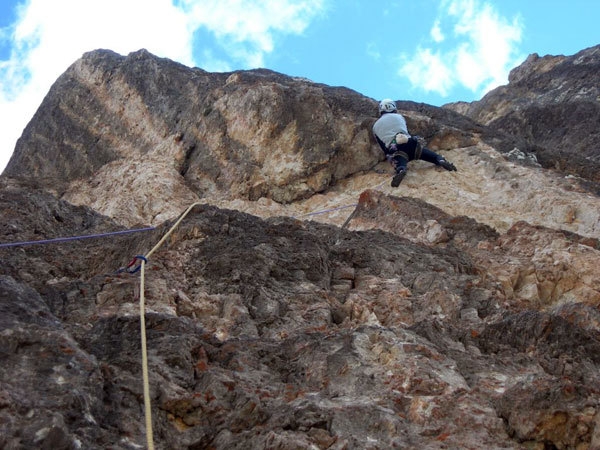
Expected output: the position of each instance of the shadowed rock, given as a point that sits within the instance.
(458, 311)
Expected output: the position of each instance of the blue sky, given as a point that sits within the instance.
(432, 51)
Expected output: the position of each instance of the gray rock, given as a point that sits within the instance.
(551, 104)
(436, 318)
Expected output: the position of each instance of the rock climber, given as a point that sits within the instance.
(398, 145)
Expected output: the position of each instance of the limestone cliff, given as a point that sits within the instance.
(552, 103)
(460, 310)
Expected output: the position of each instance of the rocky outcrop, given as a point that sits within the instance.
(551, 104)
(160, 127)
(296, 334)
(139, 138)
(303, 303)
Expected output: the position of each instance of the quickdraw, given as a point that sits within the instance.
(134, 265)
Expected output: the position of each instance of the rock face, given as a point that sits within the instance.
(163, 136)
(159, 126)
(303, 303)
(552, 103)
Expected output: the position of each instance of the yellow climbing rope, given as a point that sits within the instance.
(147, 408)
(147, 405)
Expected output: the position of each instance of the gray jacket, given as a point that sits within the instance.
(388, 126)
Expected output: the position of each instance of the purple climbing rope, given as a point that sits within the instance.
(73, 238)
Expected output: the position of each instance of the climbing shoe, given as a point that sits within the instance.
(447, 165)
(398, 178)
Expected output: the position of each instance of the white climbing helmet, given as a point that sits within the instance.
(387, 105)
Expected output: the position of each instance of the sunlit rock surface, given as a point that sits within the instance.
(304, 303)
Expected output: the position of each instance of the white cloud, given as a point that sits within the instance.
(213, 63)
(373, 51)
(480, 47)
(48, 36)
(247, 29)
(436, 32)
(428, 71)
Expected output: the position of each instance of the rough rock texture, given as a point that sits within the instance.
(552, 103)
(305, 304)
(158, 125)
(161, 136)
